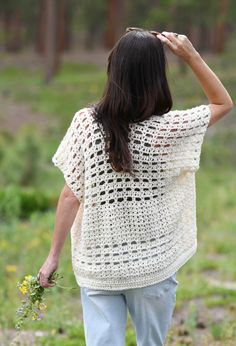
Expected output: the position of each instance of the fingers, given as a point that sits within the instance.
(170, 35)
(176, 43)
(175, 39)
(168, 39)
(43, 280)
(46, 271)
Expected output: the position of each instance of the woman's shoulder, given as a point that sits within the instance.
(191, 115)
(82, 111)
(191, 110)
(81, 115)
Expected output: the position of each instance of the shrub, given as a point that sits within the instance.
(18, 202)
(20, 158)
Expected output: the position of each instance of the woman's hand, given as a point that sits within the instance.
(49, 267)
(179, 45)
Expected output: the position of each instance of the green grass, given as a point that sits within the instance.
(24, 243)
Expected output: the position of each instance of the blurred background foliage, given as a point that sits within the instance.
(101, 22)
(53, 62)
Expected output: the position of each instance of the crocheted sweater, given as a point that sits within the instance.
(133, 231)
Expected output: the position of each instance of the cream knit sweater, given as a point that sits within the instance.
(133, 232)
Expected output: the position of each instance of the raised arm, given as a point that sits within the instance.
(220, 102)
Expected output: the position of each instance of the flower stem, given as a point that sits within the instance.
(70, 288)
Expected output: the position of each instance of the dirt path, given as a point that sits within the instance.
(30, 60)
(14, 115)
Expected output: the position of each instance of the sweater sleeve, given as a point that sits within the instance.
(69, 157)
(187, 129)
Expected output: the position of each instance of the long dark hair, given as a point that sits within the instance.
(136, 88)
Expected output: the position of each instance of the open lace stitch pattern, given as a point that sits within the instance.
(133, 231)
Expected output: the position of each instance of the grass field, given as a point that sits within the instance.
(205, 313)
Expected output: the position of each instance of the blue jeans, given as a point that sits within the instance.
(150, 307)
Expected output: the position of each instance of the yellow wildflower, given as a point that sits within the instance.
(34, 243)
(4, 244)
(23, 289)
(11, 268)
(28, 277)
(42, 306)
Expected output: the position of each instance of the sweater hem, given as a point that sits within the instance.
(138, 281)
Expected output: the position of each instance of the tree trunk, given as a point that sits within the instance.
(61, 42)
(13, 30)
(51, 51)
(63, 19)
(41, 32)
(68, 16)
(170, 26)
(219, 39)
(115, 21)
(204, 38)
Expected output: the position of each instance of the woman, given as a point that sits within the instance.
(129, 164)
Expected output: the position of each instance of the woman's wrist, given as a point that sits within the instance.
(54, 254)
(193, 58)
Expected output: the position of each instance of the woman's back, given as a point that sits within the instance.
(133, 231)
